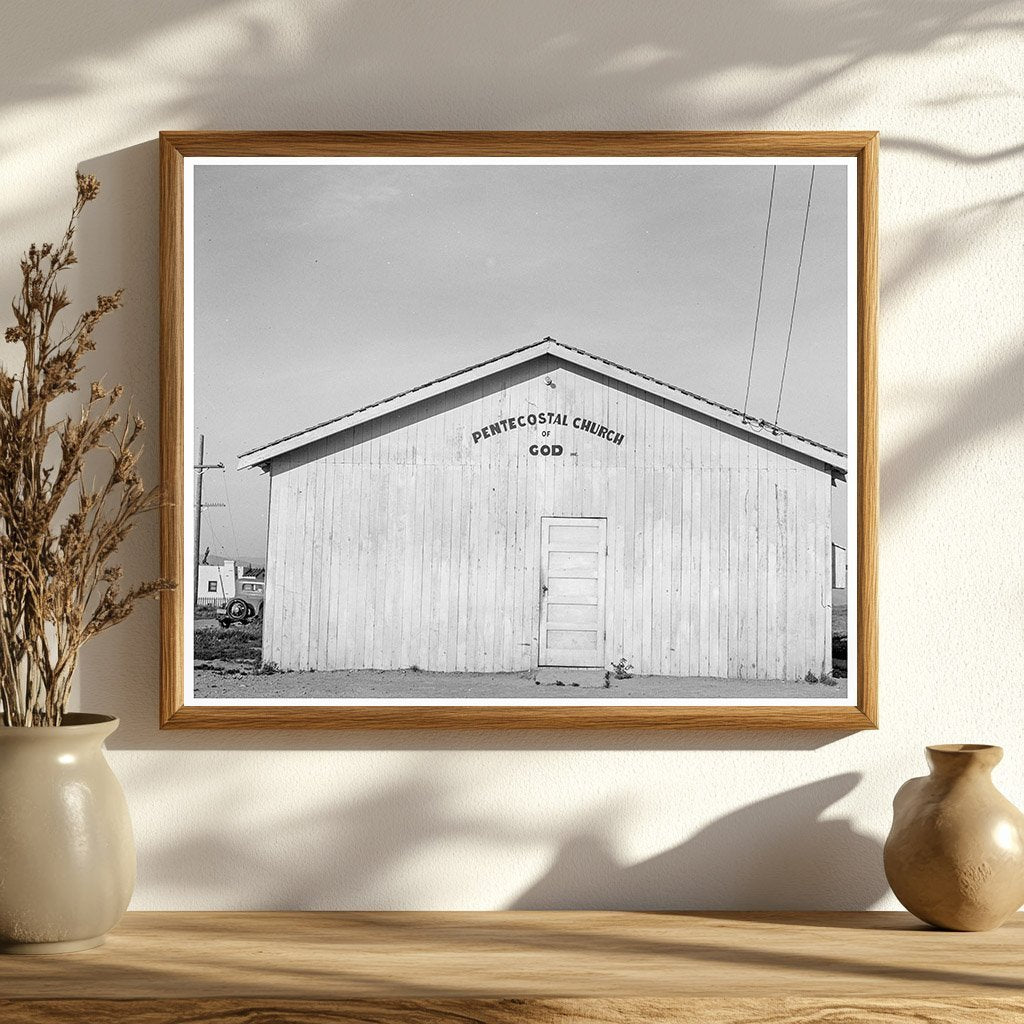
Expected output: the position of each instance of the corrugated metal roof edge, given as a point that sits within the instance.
(400, 394)
(776, 431)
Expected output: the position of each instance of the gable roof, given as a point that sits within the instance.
(757, 428)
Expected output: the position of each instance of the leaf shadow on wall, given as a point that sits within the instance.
(403, 843)
(777, 853)
(198, 63)
(965, 417)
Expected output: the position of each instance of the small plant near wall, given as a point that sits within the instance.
(59, 525)
(622, 668)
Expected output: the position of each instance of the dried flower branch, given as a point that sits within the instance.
(58, 588)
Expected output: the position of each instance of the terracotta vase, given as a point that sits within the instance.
(67, 856)
(955, 854)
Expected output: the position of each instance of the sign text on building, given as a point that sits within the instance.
(537, 419)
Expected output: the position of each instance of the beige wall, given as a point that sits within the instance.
(338, 819)
(403, 541)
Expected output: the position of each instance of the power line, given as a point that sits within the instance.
(215, 537)
(760, 290)
(231, 518)
(796, 291)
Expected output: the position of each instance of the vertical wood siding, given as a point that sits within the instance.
(401, 542)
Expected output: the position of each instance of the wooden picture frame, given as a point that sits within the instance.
(177, 148)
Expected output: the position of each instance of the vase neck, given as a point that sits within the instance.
(952, 760)
(76, 728)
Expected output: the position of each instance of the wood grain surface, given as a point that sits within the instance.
(172, 443)
(176, 146)
(524, 966)
(515, 1011)
(526, 954)
(489, 143)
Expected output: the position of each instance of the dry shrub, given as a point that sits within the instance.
(58, 533)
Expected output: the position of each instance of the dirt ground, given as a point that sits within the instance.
(229, 679)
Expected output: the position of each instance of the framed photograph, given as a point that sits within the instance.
(503, 429)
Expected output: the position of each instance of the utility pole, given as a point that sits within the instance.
(200, 468)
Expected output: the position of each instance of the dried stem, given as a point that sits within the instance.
(58, 586)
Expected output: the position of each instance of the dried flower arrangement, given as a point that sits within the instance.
(58, 587)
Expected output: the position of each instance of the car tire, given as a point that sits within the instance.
(238, 610)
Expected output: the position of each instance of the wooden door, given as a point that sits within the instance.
(573, 555)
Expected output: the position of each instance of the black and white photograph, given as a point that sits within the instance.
(520, 431)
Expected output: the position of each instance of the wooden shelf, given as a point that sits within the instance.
(546, 967)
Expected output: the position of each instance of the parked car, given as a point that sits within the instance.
(245, 606)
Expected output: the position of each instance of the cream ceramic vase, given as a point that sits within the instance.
(955, 855)
(67, 856)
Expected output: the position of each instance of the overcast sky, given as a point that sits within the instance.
(319, 289)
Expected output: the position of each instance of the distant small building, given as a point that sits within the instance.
(838, 567)
(550, 508)
(217, 582)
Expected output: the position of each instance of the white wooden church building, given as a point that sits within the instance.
(549, 507)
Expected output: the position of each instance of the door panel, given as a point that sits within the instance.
(572, 538)
(572, 640)
(573, 615)
(571, 590)
(573, 555)
(573, 564)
